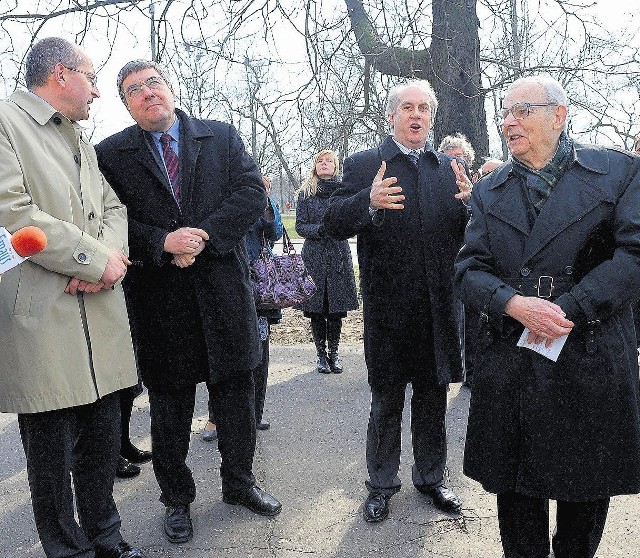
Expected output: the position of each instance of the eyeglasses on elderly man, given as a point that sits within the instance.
(521, 110)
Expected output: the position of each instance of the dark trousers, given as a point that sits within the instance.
(260, 377)
(80, 443)
(171, 415)
(524, 527)
(428, 434)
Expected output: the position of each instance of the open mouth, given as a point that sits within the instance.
(415, 127)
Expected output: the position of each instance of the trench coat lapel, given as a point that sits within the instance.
(509, 207)
(571, 199)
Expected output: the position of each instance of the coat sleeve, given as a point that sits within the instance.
(70, 251)
(348, 212)
(306, 227)
(476, 279)
(244, 203)
(614, 282)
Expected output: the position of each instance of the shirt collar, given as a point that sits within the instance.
(173, 131)
(406, 150)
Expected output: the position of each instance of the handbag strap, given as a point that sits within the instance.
(287, 246)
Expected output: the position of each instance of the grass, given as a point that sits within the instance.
(289, 222)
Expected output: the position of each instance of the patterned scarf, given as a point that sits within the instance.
(541, 182)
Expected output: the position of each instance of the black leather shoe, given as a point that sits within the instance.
(126, 469)
(444, 498)
(177, 524)
(322, 365)
(263, 425)
(135, 455)
(121, 550)
(376, 507)
(254, 499)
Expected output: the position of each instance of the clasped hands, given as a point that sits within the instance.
(386, 194)
(546, 321)
(185, 244)
(115, 270)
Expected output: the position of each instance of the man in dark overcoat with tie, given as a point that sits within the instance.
(192, 193)
(404, 201)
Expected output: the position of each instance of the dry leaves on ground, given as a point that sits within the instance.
(294, 328)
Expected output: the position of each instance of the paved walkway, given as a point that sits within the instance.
(312, 459)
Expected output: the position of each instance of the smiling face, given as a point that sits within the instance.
(533, 139)
(154, 109)
(411, 120)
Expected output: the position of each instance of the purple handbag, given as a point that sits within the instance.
(280, 281)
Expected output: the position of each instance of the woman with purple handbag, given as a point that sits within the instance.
(268, 229)
(328, 262)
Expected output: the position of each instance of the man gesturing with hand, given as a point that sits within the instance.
(400, 198)
(192, 193)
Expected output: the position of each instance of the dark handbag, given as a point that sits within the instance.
(280, 281)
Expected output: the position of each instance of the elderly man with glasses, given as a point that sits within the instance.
(551, 261)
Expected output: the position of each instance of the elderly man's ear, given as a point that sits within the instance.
(561, 117)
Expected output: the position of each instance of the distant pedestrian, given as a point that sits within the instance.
(328, 261)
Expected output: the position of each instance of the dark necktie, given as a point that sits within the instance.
(413, 157)
(172, 163)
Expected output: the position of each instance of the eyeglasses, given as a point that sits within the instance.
(521, 110)
(135, 90)
(93, 79)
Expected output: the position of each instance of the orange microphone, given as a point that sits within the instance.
(16, 247)
(28, 241)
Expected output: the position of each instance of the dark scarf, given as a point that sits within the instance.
(540, 183)
(327, 187)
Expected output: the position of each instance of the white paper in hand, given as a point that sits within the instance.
(552, 352)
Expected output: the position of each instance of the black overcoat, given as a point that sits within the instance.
(568, 430)
(222, 194)
(406, 263)
(328, 260)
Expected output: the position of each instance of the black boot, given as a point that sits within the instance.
(334, 327)
(319, 332)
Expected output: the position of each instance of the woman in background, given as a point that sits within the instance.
(327, 260)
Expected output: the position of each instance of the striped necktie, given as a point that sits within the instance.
(413, 157)
(172, 163)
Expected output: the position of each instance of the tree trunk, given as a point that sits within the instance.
(451, 64)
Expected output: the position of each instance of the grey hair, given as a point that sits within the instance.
(459, 140)
(138, 66)
(45, 54)
(395, 93)
(552, 88)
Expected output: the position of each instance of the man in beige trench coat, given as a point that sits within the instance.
(65, 334)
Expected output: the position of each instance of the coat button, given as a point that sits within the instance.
(57, 120)
(76, 159)
(568, 270)
(91, 216)
(82, 257)
(525, 271)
